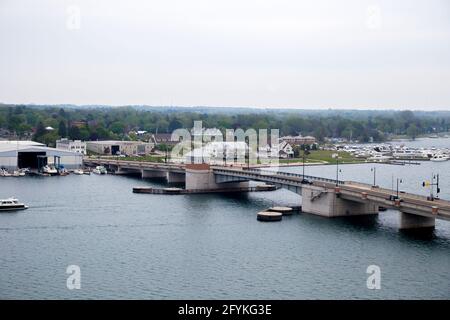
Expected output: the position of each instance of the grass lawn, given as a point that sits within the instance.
(149, 158)
(325, 156)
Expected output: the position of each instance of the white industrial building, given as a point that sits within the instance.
(112, 147)
(218, 152)
(71, 145)
(29, 154)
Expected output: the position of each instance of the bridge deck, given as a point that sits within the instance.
(408, 202)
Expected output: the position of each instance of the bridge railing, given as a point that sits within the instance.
(279, 173)
(298, 175)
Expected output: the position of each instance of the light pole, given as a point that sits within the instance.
(374, 170)
(305, 153)
(336, 155)
(398, 181)
(432, 184)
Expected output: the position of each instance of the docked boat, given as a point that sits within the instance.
(379, 158)
(439, 158)
(11, 204)
(18, 173)
(4, 173)
(78, 171)
(99, 170)
(49, 170)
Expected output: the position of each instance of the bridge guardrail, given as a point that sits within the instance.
(295, 175)
(278, 173)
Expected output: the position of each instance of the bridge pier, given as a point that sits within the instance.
(174, 177)
(413, 221)
(117, 170)
(200, 176)
(153, 174)
(326, 202)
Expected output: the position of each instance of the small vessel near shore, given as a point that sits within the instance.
(99, 170)
(4, 173)
(78, 171)
(51, 170)
(11, 204)
(439, 158)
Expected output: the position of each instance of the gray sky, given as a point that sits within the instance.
(263, 53)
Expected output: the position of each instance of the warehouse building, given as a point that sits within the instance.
(29, 154)
(112, 148)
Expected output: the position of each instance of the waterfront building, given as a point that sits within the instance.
(29, 154)
(163, 138)
(113, 147)
(218, 152)
(71, 145)
(280, 150)
(299, 140)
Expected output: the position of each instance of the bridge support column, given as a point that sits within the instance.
(413, 221)
(325, 202)
(152, 174)
(200, 176)
(117, 170)
(174, 177)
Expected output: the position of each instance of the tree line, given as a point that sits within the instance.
(96, 123)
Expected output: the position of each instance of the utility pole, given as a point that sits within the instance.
(304, 155)
(432, 184)
(398, 181)
(374, 170)
(336, 155)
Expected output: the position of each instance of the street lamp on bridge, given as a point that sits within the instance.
(336, 156)
(374, 170)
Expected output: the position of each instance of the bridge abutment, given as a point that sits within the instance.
(200, 176)
(326, 202)
(413, 221)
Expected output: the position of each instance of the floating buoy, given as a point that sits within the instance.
(269, 216)
(286, 211)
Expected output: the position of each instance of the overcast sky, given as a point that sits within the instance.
(261, 53)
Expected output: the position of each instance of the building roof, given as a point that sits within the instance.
(118, 142)
(21, 143)
(11, 150)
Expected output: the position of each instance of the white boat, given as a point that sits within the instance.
(49, 170)
(11, 204)
(99, 170)
(4, 173)
(439, 158)
(78, 171)
(18, 173)
(379, 157)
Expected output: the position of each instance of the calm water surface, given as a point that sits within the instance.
(138, 246)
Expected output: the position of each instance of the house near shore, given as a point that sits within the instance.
(299, 140)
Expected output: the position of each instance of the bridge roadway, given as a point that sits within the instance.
(135, 165)
(348, 190)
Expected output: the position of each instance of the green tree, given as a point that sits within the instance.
(412, 131)
(62, 128)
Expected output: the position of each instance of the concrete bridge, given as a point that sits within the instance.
(321, 196)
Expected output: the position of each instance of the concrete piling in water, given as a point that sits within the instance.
(269, 216)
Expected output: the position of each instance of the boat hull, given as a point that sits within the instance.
(13, 207)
